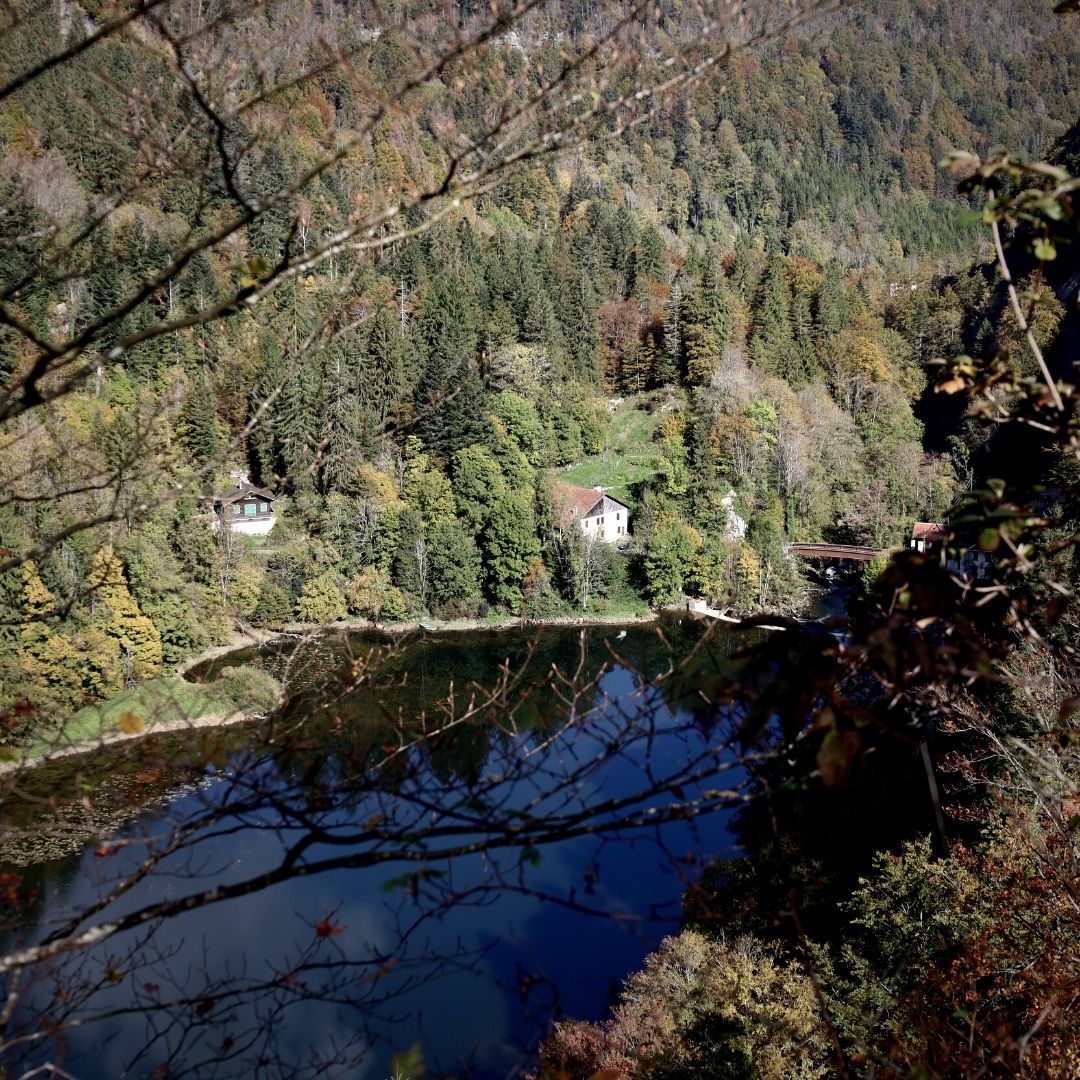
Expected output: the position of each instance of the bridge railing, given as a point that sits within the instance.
(838, 551)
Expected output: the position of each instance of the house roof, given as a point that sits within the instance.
(929, 530)
(578, 502)
(242, 490)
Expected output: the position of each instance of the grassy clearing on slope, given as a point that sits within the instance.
(630, 456)
(615, 472)
(631, 426)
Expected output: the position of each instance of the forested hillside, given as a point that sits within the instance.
(739, 292)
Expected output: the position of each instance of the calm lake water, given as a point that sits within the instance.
(459, 888)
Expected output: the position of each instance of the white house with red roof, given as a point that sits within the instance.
(599, 515)
(928, 534)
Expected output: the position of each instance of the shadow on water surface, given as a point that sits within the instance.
(448, 841)
(445, 841)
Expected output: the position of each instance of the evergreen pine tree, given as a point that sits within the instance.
(103, 276)
(772, 346)
(344, 435)
(576, 307)
(500, 327)
(985, 339)
(673, 342)
(382, 367)
(918, 325)
(299, 420)
(701, 345)
(717, 302)
(200, 429)
(264, 443)
(268, 232)
(198, 287)
(20, 256)
(743, 275)
(540, 327)
(449, 396)
(831, 309)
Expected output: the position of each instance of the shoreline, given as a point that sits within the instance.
(252, 638)
(111, 738)
(458, 626)
(246, 639)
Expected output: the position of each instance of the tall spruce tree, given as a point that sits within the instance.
(268, 232)
(382, 367)
(200, 428)
(449, 395)
(701, 344)
(670, 362)
(772, 346)
(102, 285)
(831, 308)
(717, 301)
(343, 431)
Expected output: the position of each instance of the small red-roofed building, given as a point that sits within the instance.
(927, 534)
(598, 514)
(966, 560)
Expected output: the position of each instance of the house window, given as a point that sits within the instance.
(237, 508)
(601, 521)
(249, 509)
(264, 508)
(616, 515)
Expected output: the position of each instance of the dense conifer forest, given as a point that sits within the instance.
(742, 295)
(412, 279)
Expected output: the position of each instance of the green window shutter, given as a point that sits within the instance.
(249, 509)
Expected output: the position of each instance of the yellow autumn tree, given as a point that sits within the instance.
(853, 361)
(427, 489)
(46, 656)
(116, 613)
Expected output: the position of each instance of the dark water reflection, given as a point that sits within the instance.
(542, 856)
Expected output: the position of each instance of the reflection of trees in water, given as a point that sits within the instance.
(451, 792)
(447, 767)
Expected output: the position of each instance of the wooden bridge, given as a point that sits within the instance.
(837, 551)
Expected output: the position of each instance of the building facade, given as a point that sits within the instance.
(930, 537)
(599, 515)
(244, 509)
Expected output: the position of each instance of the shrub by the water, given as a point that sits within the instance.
(274, 608)
(702, 1007)
(249, 688)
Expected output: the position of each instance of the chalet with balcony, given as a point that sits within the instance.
(243, 508)
(598, 514)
